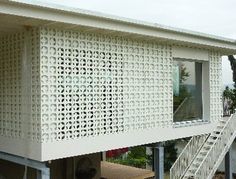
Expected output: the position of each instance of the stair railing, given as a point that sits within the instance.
(216, 153)
(187, 155)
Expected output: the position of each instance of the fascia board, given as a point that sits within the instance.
(100, 21)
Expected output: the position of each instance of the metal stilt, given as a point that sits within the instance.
(228, 165)
(158, 157)
(43, 172)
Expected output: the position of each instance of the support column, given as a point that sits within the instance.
(158, 161)
(44, 174)
(228, 165)
(104, 156)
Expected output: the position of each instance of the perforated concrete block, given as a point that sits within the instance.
(94, 85)
(65, 93)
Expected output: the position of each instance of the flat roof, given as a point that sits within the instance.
(53, 15)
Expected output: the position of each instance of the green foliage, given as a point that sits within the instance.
(135, 162)
(230, 94)
(183, 74)
(137, 152)
(182, 95)
(183, 92)
(227, 93)
(170, 154)
(137, 156)
(233, 98)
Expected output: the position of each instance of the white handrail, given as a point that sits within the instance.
(186, 157)
(218, 149)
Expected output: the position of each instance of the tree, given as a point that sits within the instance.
(170, 154)
(227, 101)
(233, 67)
(183, 74)
(232, 93)
(227, 93)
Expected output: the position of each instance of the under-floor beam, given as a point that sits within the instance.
(43, 172)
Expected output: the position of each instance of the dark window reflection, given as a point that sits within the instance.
(187, 90)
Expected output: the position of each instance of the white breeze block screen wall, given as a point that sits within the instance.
(215, 79)
(99, 85)
(20, 100)
(65, 93)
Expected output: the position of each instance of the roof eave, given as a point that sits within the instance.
(72, 18)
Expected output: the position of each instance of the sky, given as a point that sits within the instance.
(217, 17)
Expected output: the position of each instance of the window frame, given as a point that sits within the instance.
(205, 93)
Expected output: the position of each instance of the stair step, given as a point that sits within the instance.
(207, 147)
(192, 170)
(196, 164)
(220, 127)
(199, 159)
(203, 151)
(212, 138)
(209, 142)
(189, 173)
(216, 132)
(222, 121)
(201, 155)
(188, 176)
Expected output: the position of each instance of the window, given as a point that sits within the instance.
(187, 90)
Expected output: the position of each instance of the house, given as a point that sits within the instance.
(75, 82)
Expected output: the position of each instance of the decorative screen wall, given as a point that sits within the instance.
(11, 50)
(99, 85)
(20, 86)
(69, 87)
(215, 86)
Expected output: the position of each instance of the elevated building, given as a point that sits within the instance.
(75, 82)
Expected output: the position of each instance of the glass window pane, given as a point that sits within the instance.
(187, 90)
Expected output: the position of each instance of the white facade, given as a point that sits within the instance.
(72, 91)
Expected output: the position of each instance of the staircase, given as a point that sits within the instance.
(203, 154)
